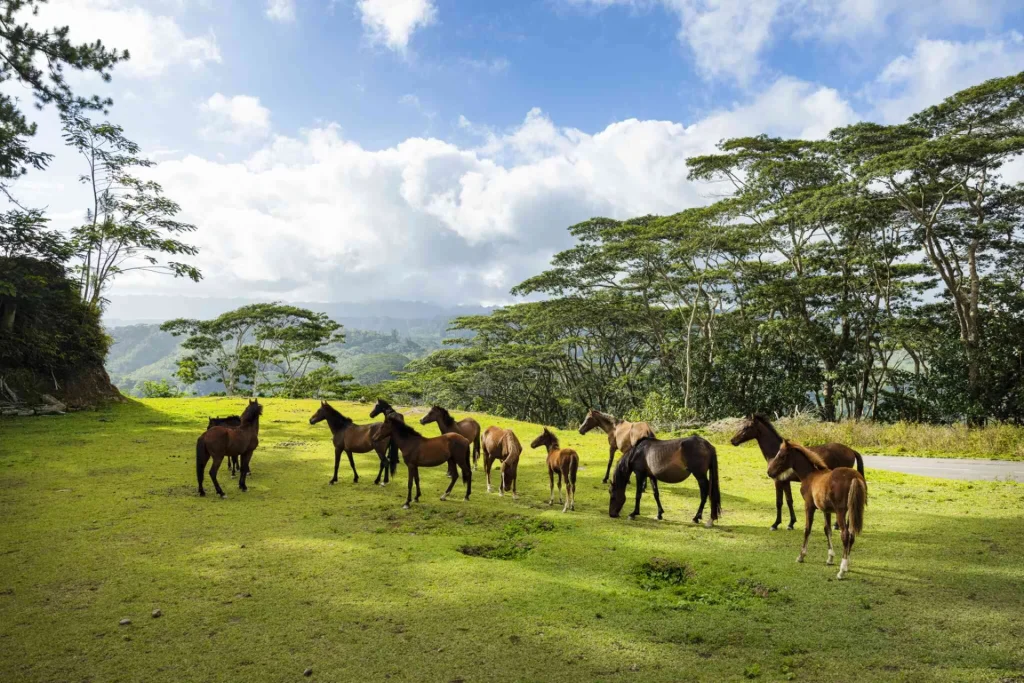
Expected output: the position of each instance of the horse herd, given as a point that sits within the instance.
(831, 476)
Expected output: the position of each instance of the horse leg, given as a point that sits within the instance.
(418, 492)
(657, 497)
(846, 534)
(789, 502)
(705, 487)
(828, 537)
(809, 514)
(641, 481)
(488, 461)
(383, 471)
(352, 462)
(232, 459)
(559, 473)
(337, 462)
(412, 477)
(515, 494)
(551, 486)
(611, 455)
(213, 474)
(778, 506)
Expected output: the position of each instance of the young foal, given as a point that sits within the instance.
(218, 442)
(467, 427)
(499, 444)
(621, 434)
(353, 438)
(561, 461)
(671, 462)
(841, 490)
(768, 439)
(419, 451)
(229, 421)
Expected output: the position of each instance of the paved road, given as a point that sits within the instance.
(948, 468)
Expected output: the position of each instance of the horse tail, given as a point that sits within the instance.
(573, 466)
(860, 463)
(393, 455)
(202, 456)
(857, 499)
(476, 446)
(716, 493)
(467, 471)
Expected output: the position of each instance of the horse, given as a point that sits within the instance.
(218, 442)
(621, 434)
(841, 490)
(502, 445)
(561, 461)
(384, 407)
(419, 451)
(670, 461)
(353, 438)
(768, 439)
(467, 427)
(229, 421)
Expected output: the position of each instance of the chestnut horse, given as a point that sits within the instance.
(218, 442)
(621, 434)
(768, 439)
(229, 421)
(561, 461)
(671, 462)
(502, 445)
(353, 438)
(467, 427)
(419, 451)
(841, 490)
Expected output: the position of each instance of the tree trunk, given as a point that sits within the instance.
(8, 309)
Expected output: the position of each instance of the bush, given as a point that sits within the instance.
(159, 389)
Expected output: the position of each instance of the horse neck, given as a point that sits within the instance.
(405, 440)
(606, 422)
(802, 465)
(446, 422)
(768, 441)
(337, 422)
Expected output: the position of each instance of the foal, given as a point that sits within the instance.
(621, 434)
(419, 451)
(229, 421)
(218, 442)
(563, 462)
(500, 444)
(467, 427)
(842, 490)
(671, 462)
(353, 438)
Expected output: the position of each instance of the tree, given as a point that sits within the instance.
(131, 225)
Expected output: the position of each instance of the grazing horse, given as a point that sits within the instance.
(768, 439)
(841, 490)
(419, 451)
(671, 462)
(467, 427)
(502, 445)
(229, 421)
(621, 434)
(353, 438)
(561, 461)
(218, 442)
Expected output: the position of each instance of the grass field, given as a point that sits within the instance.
(101, 522)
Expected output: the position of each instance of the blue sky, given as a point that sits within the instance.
(438, 149)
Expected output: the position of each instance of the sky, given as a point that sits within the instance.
(438, 150)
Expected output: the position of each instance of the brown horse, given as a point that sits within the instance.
(419, 451)
(467, 427)
(353, 438)
(561, 461)
(218, 442)
(382, 407)
(229, 421)
(671, 462)
(621, 434)
(841, 490)
(502, 445)
(768, 439)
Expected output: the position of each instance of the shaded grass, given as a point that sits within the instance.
(101, 522)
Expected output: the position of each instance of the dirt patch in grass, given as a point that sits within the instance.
(657, 573)
(514, 542)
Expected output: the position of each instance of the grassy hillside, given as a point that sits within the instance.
(102, 523)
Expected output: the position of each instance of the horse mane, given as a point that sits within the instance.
(403, 429)
(252, 413)
(611, 418)
(446, 417)
(813, 457)
(625, 465)
(334, 413)
(758, 417)
(554, 439)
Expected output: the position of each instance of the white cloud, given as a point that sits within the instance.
(409, 100)
(235, 119)
(392, 22)
(156, 42)
(281, 10)
(319, 217)
(494, 66)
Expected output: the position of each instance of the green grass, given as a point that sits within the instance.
(100, 521)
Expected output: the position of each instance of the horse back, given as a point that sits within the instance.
(836, 455)
(492, 441)
(469, 428)
(628, 433)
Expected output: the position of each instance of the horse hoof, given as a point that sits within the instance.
(710, 523)
(405, 507)
(773, 527)
(840, 576)
(202, 494)
(243, 488)
(333, 482)
(800, 559)
(444, 497)
(223, 495)
(632, 516)
(789, 528)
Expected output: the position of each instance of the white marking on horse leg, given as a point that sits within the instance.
(709, 523)
(844, 567)
(444, 496)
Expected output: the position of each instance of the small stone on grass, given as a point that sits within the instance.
(125, 622)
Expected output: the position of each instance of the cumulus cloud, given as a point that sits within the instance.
(235, 119)
(392, 22)
(156, 41)
(280, 10)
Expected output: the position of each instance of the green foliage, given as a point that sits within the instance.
(159, 389)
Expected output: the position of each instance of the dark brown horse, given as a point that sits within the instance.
(671, 462)
(562, 462)
(467, 427)
(502, 445)
(220, 442)
(419, 451)
(229, 421)
(383, 407)
(352, 438)
(621, 434)
(841, 490)
(769, 440)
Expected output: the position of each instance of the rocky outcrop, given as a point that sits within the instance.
(25, 393)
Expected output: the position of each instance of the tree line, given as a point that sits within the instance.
(878, 273)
